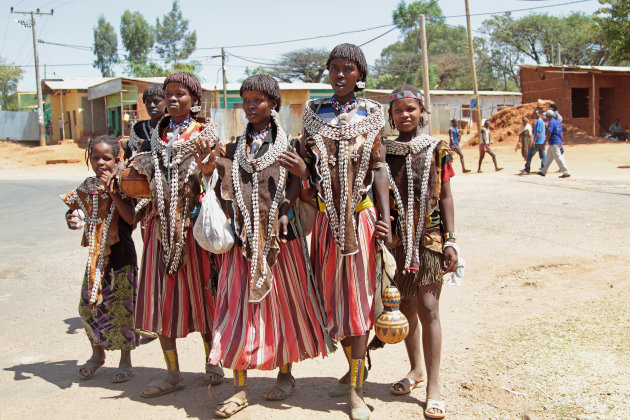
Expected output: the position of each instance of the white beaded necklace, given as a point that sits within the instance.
(171, 156)
(254, 166)
(318, 129)
(93, 184)
(406, 149)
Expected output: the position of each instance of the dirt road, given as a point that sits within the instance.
(539, 329)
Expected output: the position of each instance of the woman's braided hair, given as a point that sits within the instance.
(265, 84)
(353, 53)
(189, 81)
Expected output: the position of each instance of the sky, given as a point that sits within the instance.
(230, 24)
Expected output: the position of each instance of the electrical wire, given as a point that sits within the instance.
(519, 10)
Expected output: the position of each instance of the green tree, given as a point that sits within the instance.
(255, 70)
(105, 47)
(174, 43)
(138, 38)
(447, 49)
(613, 21)
(9, 78)
(306, 65)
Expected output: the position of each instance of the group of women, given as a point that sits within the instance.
(273, 299)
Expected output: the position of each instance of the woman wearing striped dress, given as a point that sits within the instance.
(342, 142)
(267, 312)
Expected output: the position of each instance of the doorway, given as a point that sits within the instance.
(606, 108)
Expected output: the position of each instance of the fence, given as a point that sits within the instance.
(19, 126)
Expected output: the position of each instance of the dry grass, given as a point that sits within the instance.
(575, 365)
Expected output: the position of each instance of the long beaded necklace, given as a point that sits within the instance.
(254, 166)
(171, 156)
(95, 188)
(407, 149)
(345, 108)
(318, 128)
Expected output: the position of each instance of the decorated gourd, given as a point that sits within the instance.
(391, 326)
(134, 184)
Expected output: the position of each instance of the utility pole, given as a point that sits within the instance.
(471, 54)
(40, 101)
(559, 61)
(224, 80)
(425, 72)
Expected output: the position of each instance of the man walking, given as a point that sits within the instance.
(524, 138)
(539, 142)
(453, 143)
(484, 147)
(554, 136)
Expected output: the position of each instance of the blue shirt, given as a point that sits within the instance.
(539, 131)
(454, 135)
(555, 130)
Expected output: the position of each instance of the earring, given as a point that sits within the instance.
(360, 85)
(195, 108)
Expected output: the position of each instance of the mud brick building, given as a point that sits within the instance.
(588, 97)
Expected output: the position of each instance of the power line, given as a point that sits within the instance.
(381, 35)
(519, 10)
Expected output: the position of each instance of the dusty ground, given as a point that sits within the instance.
(539, 329)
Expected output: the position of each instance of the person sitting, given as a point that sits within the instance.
(616, 130)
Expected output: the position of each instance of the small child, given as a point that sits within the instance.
(108, 294)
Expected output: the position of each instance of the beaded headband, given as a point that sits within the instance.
(405, 95)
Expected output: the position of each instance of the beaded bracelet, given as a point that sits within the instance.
(449, 235)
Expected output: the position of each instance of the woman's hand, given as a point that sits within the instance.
(382, 231)
(294, 163)
(450, 259)
(205, 156)
(283, 228)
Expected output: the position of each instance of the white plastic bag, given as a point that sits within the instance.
(212, 229)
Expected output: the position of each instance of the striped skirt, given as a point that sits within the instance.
(346, 282)
(286, 326)
(174, 305)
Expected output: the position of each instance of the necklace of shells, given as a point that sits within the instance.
(95, 188)
(171, 156)
(318, 129)
(407, 149)
(254, 167)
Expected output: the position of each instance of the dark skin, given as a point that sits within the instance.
(178, 100)
(424, 307)
(155, 108)
(103, 162)
(344, 74)
(258, 107)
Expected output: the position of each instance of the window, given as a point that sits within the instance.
(579, 102)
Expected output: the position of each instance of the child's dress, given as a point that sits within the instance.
(108, 294)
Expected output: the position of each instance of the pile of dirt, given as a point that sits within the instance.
(504, 125)
(66, 152)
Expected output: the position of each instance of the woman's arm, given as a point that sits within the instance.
(447, 214)
(381, 194)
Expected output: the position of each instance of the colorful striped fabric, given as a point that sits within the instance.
(346, 282)
(282, 328)
(327, 113)
(174, 305)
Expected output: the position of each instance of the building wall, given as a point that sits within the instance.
(73, 107)
(554, 85)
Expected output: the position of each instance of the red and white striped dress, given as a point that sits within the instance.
(346, 282)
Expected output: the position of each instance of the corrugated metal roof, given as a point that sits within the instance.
(75, 82)
(456, 92)
(587, 68)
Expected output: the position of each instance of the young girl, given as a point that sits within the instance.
(419, 172)
(343, 143)
(173, 294)
(267, 312)
(108, 295)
